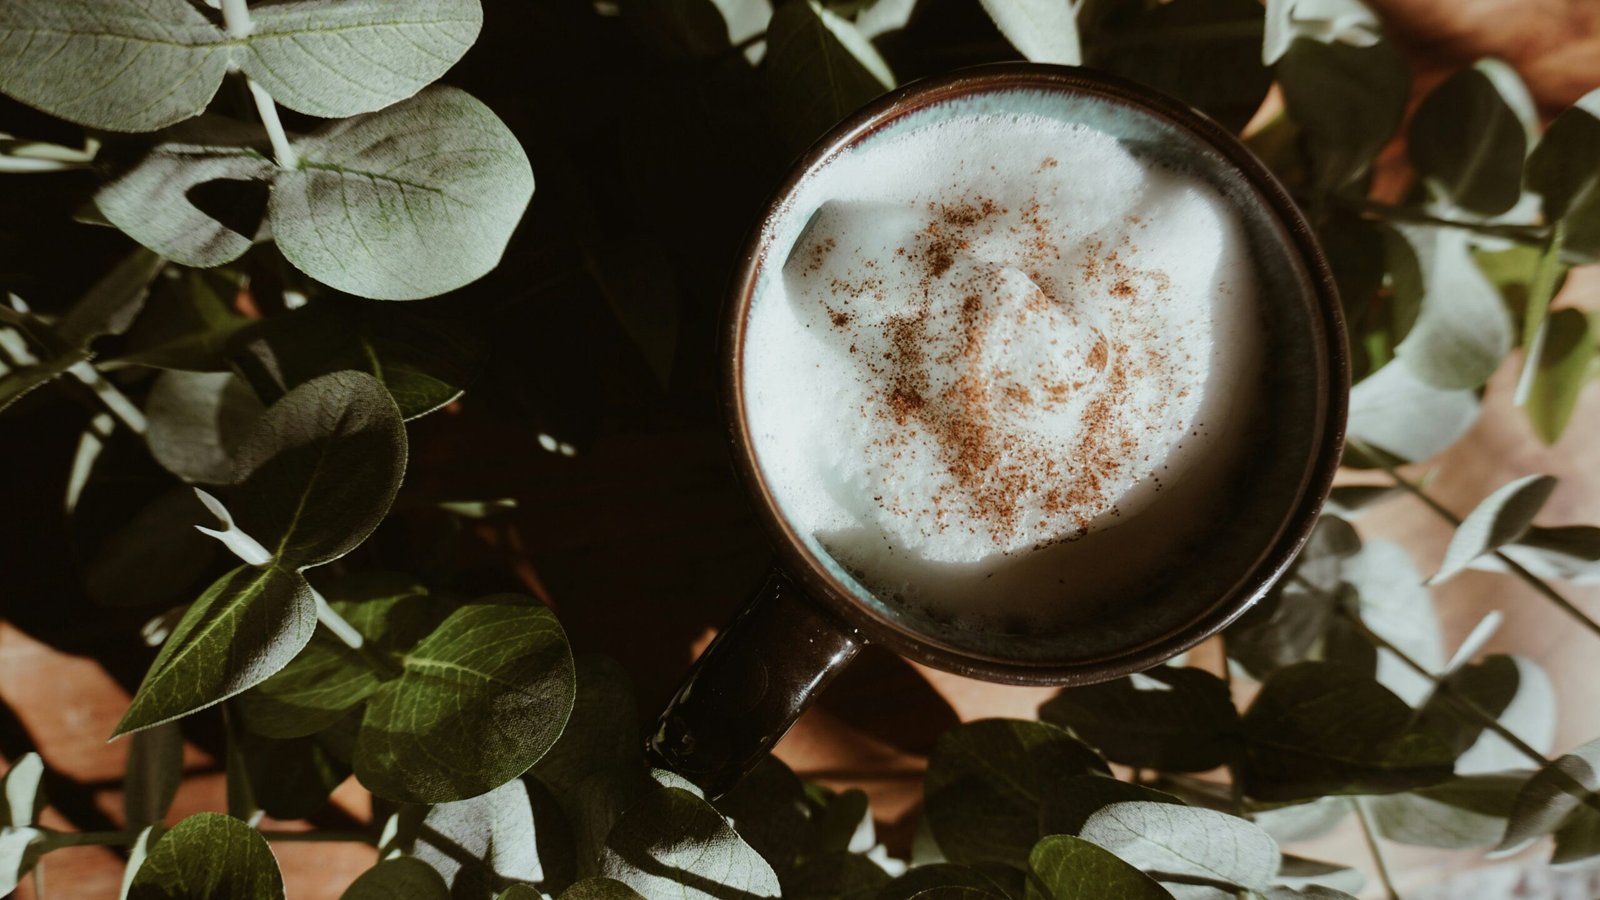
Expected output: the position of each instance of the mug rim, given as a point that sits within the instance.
(1328, 334)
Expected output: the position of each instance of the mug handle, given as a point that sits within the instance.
(750, 685)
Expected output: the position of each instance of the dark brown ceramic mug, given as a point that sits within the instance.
(811, 617)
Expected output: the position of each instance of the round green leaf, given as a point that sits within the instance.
(197, 422)
(1502, 517)
(1463, 331)
(1469, 137)
(819, 70)
(672, 843)
(836, 876)
(483, 843)
(412, 201)
(184, 325)
(155, 202)
(595, 889)
(1563, 799)
(1076, 869)
(1329, 21)
(1392, 601)
(478, 701)
(156, 557)
(988, 881)
(1070, 802)
(1564, 169)
(1182, 840)
(986, 783)
(321, 469)
(1348, 99)
(1169, 718)
(245, 627)
(1460, 814)
(208, 856)
(398, 879)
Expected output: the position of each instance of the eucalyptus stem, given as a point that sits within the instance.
(329, 618)
(1536, 322)
(236, 18)
(1370, 833)
(114, 401)
(1538, 584)
(1526, 234)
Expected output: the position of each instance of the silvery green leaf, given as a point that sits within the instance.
(1166, 839)
(208, 856)
(1069, 802)
(1307, 874)
(1349, 100)
(478, 702)
(1395, 605)
(819, 69)
(987, 881)
(137, 852)
(1071, 868)
(155, 767)
(987, 781)
(1531, 716)
(197, 423)
(337, 59)
(1564, 169)
(1566, 365)
(1463, 331)
(595, 889)
(1470, 135)
(1501, 518)
(1303, 821)
(1570, 552)
(1044, 31)
(482, 843)
(245, 627)
(412, 201)
(17, 855)
(121, 65)
(1310, 892)
(1329, 21)
(157, 202)
(321, 469)
(1171, 719)
(1467, 812)
(882, 17)
(1353, 499)
(1560, 799)
(1395, 411)
(672, 843)
(23, 794)
(404, 878)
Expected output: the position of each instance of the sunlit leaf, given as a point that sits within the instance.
(1044, 31)
(192, 203)
(1393, 603)
(1185, 841)
(197, 423)
(594, 889)
(208, 856)
(1463, 330)
(672, 843)
(1398, 412)
(1463, 813)
(1330, 21)
(1502, 517)
(481, 844)
(404, 878)
(24, 796)
(1077, 869)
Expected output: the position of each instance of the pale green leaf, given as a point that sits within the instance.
(483, 844)
(1328, 21)
(1044, 31)
(208, 856)
(1072, 868)
(479, 701)
(1469, 138)
(674, 844)
(156, 556)
(1567, 551)
(137, 852)
(1460, 814)
(155, 767)
(321, 469)
(412, 201)
(1070, 802)
(1463, 330)
(24, 795)
(197, 422)
(1566, 364)
(245, 627)
(1396, 411)
(1303, 821)
(157, 202)
(1168, 839)
(1395, 605)
(404, 878)
(1501, 518)
(18, 853)
(1171, 719)
(1560, 799)
(1310, 892)
(816, 72)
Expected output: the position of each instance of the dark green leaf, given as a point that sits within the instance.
(398, 879)
(1308, 874)
(1349, 100)
(1490, 685)
(1075, 869)
(1460, 814)
(819, 69)
(321, 469)
(1390, 599)
(111, 305)
(1289, 622)
(597, 889)
(1560, 799)
(1469, 137)
(208, 856)
(768, 807)
(194, 204)
(836, 876)
(1564, 169)
(1319, 728)
(1502, 517)
(16, 383)
(1566, 365)
(988, 880)
(155, 767)
(416, 200)
(156, 556)
(137, 852)
(483, 844)
(1169, 839)
(672, 843)
(290, 779)
(185, 325)
(1070, 802)
(198, 421)
(245, 627)
(637, 279)
(479, 701)
(1172, 719)
(1567, 551)
(987, 780)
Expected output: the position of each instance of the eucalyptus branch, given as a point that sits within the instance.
(236, 18)
(1532, 580)
(1526, 234)
(1370, 834)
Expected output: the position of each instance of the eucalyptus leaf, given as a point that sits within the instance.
(672, 843)
(185, 324)
(115, 300)
(1490, 685)
(1044, 31)
(1306, 874)
(1310, 892)
(23, 380)
(768, 807)
(416, 200)
(290, 779)
(1171, 719)
(159, 201)
(1463, 331)
(404, 878)
(1396, 411)
(990, 881)
(155, 767)
(1348, 99)
(603, 729)
(1330, 21)
(1566, 364)
(1564, 169)
(1303, 821)
(137, 852)
(836, 876)
(1501, 518)
(597, 889)
(1290, 622)
(156, 557)
(819, 69)
(1463, 813)
(161, 61)
(1320, 728)
(1567, 551)
(1069, 803)
(23, 791)
(1072, 868)
(208, 856)
(483, 844)
(1560, 799)
(18, 853)
(1469, 137)
(321, 469)
(1168, 839)
(1395, 605)
(197, 423)
(478, 702)
(245, 627)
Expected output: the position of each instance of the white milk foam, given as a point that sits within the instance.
(1005, 363)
